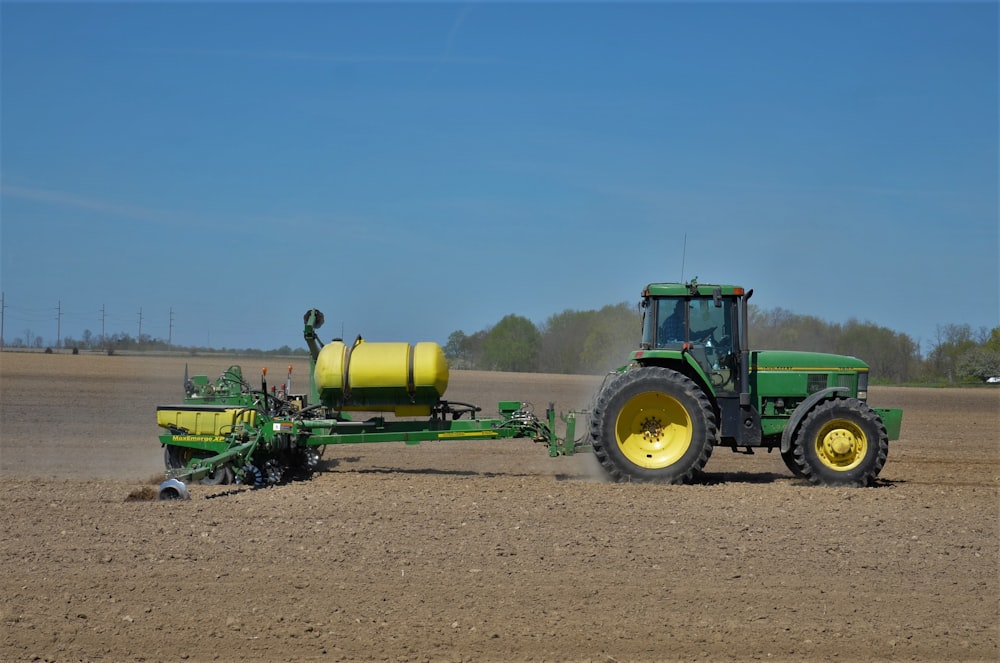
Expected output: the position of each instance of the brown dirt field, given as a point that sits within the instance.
(481, 551)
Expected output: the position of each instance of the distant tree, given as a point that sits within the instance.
(455, 348)
(992, 340)
(951, 343)
(512, 345)
(466, 352)
(122, 341)
(563, 337)
(589, 342)
(779, 329)
(765, 325)
(979, 363)
(616, 332)
(891, 356)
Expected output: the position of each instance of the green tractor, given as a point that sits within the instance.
(694, 385)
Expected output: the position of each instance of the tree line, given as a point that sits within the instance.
(593, 342)
(122, 342)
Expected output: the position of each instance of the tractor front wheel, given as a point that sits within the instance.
(653, 424)
(841, 442)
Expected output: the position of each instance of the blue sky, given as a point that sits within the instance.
(415, 169)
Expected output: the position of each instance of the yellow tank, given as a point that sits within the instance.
(381, 377)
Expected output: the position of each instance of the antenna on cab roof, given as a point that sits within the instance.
(683, 256)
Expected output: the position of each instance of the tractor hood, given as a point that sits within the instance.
(791, 360)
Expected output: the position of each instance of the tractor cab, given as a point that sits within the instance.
(702, 322)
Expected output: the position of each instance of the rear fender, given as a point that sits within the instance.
(682, 362)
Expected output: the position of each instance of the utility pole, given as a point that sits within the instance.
(139, 339)
(104, 340)
(3, 307)
(59, 324)
(170, 329)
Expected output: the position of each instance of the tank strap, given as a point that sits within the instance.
(411, 383)
(347, 372)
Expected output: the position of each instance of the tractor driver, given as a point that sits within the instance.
(672, 328)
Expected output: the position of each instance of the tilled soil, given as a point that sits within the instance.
(481, 551)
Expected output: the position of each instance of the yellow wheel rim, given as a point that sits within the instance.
(841, 445)
(653, 430)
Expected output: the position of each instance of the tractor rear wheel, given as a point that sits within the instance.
(653, 424)
(177, 458)
(841, 442)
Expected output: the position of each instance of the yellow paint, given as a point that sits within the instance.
(386, 377)
(809, 369)
(654, 430)
(841, 445)
(203, 421)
